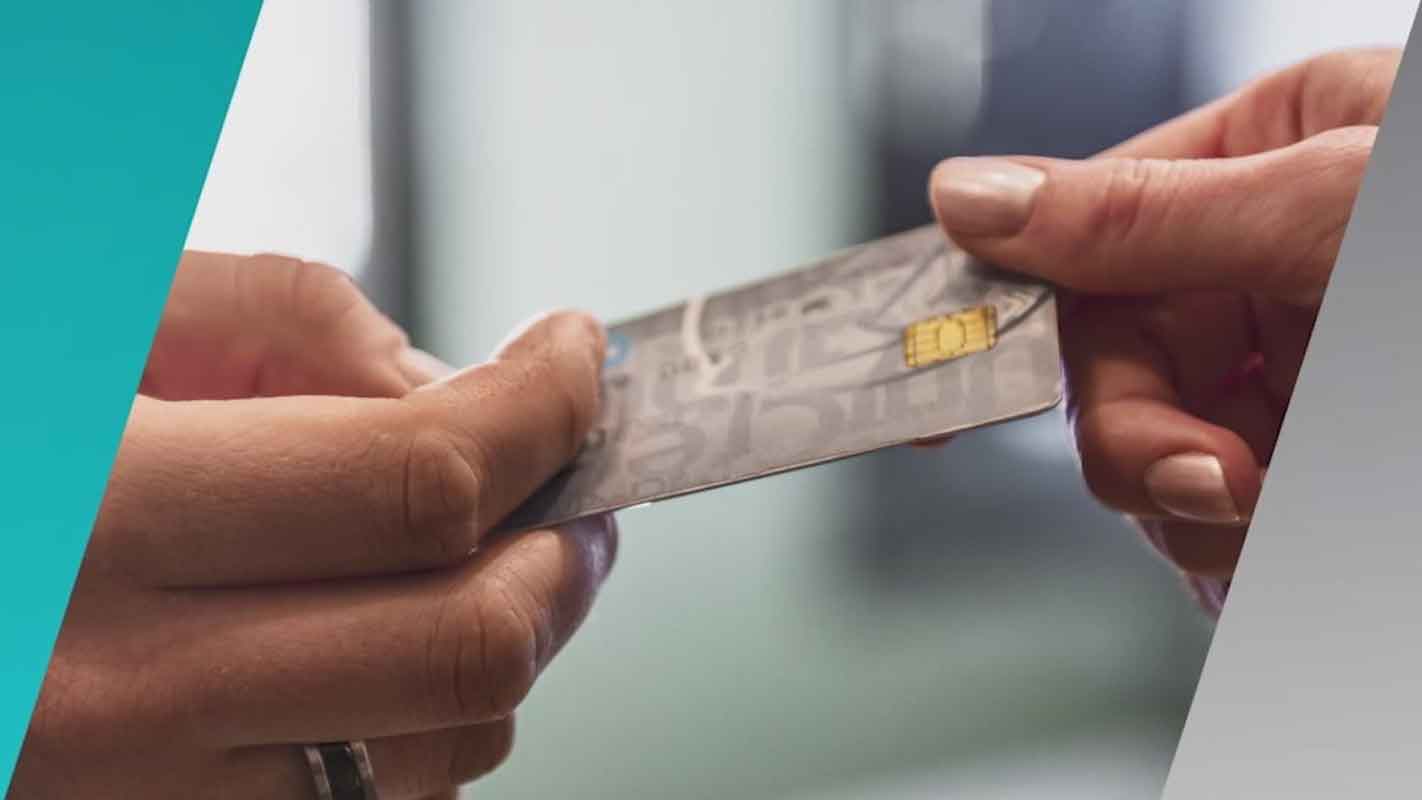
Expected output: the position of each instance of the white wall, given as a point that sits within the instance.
(1236, 40)
(292, 169)
(616, 155)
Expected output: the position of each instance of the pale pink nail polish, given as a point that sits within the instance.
(1192, 486)
(985, 196)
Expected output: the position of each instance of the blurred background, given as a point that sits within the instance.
(959, 623)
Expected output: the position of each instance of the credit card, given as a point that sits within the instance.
(898, 340)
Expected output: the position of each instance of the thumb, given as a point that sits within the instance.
(1268, 224)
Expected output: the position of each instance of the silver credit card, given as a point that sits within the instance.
(898, 340)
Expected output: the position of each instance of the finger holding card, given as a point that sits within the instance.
(903, 340)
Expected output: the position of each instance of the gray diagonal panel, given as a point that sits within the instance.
(1313, 687)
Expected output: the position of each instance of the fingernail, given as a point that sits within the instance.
(985, 196)
(592, 337)
(600, 534)
(580, 329)
(1192, 486)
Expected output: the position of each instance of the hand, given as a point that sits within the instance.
(1194, 258)
(291, 550)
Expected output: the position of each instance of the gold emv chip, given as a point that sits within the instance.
(938, 339)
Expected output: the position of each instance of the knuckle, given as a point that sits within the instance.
(440, 497)
(485, 651)
(1131, 186)
(505, 661)
(1137, 196)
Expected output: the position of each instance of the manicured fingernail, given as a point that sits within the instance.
(985, 196)
(1192, 486)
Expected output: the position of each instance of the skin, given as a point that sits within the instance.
(292, 549)
(1194, 259)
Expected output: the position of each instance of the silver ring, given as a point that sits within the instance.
(341, 771)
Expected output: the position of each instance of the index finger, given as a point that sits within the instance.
(1336, 90)
(269, 326)
(300, 488)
